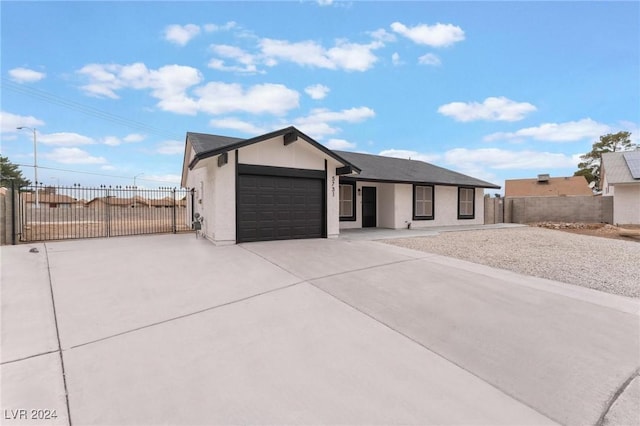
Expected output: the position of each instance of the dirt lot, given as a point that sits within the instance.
(594, 229)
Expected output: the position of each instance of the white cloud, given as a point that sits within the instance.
(224, 27)
(64, 139)
(395, 59)
(247, 60)
(168, 84)
(339, 144)
(169, 178)
(501, 159)
(25, 75)
(134, 137)
(429, 59)
(383, 35)
(491, 109)
(115, 141)
(237, 124)
(344, 55)
(438, 35)
(181, 34)
(170, 148)
(107, 167)
(220, 98)
(10, 122)
(408, 154)
(482, 163)
(325, 2)
(111, 141)
(317, 123)
(317, 91)
(631, 127)
(73, 156)
(569, 131)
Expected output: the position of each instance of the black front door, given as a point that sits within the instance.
(369, 207)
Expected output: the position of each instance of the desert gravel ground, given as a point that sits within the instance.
(602, 264)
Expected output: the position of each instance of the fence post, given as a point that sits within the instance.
(193, 206)
(13, 213)
(108, 204)
(173, 191)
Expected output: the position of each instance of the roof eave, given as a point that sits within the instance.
(271, 135)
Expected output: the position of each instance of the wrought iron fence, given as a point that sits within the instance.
(57, 213)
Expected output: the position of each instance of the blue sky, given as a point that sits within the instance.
(496, 90)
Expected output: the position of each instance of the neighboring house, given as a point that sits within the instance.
(285, 185)
(167, 202)
(102, 202)
(52, 201)
(545, 186)
(620, 178)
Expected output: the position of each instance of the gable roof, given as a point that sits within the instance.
(367, 167)
(30, 197)
(376, 168)
(553, 187)
(206, 146)
(616, 166)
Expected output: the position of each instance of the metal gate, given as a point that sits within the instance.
(59, 213)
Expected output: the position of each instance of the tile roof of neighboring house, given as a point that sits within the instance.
(115, 201)
(166, 202)
(616, 167)
(391, 169)
(553, 187)
(371, 167)
(30, 197)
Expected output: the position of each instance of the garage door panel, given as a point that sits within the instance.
(278, 208)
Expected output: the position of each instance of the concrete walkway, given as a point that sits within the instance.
(170, 329)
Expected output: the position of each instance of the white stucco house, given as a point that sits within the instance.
(285, 185)
(620, 179)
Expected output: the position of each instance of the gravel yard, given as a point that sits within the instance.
(602, 264)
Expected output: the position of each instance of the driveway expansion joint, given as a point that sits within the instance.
(190, 314)
(617, 395)
(11, 361)
(406, 336)
(55, 320)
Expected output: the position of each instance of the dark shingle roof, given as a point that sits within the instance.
(379, 168)
(372, 167)
(202, 142)
(207, 146)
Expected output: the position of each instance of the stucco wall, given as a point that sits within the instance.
(446, 208)
(333, 197)
(224, 200)
(395, 207)
(273, 152)
(216, 187)
(626, 204)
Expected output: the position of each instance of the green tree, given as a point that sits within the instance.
(589, 167)
(10, 172)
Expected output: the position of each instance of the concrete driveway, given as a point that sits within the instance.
(170, 329)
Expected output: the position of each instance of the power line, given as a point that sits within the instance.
(95, 174)
(85, 109)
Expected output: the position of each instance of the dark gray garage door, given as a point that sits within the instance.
(279, 208)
